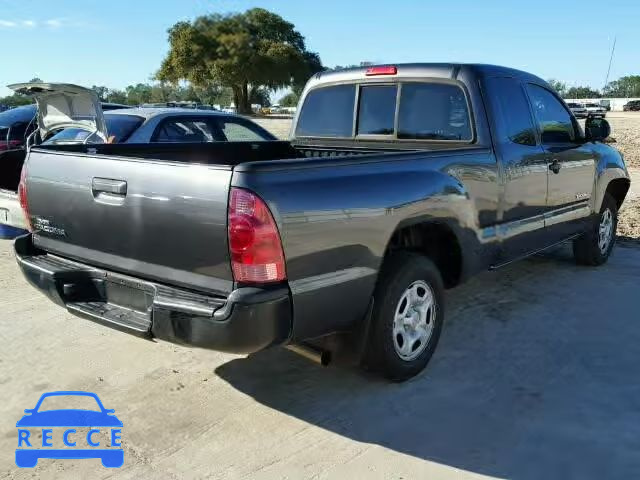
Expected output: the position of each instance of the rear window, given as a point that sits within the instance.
(427, 111)
(433, 111)
(328, 112)
(19, 114)
(120, 127)
(377, 109)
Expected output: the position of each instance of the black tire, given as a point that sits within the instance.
(400, 271)
(586, 248)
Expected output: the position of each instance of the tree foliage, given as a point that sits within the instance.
(582, 92)
(290, 99)
(558, 86)
(628, 86)
(101, 92)
(256, 48)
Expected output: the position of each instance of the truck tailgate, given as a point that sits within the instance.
(152, 219)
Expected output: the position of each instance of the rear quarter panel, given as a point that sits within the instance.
(337, 216)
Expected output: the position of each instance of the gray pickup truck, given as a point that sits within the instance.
(399, 181)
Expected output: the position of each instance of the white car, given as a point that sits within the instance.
(578, 110)
(595, 110)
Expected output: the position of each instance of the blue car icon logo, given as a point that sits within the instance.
(62, 431)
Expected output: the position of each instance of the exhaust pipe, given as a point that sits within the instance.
(322, 357)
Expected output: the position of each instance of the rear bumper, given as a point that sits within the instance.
(246, 321)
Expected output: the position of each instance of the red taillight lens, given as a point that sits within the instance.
(254, 241)
(386, 70)
(10, 145)
(22, 197)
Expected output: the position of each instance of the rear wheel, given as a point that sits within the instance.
(594, 247)
(407, 316)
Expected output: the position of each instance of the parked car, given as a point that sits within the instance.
(358, 224)
(595, 110)
(606, 104)
(578, 110)
(632, 106)
(16, 125)
(124, 125)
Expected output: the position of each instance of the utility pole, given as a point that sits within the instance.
(613, 49)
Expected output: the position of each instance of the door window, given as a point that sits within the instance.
(237, 132)
(183, 130)
(511, 112)
(554, 120)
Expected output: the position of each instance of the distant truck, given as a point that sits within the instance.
(399, 181)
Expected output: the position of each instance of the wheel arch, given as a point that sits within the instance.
(618, 189)
(437, 239)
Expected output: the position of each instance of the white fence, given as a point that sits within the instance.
(616, 103)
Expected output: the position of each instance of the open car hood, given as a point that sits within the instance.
(62, 105)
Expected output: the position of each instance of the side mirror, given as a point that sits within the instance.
(596, 129)
(28, 410)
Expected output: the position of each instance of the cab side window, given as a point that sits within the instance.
(511, 112)
(554, 120)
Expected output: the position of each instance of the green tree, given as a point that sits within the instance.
(15, 100)
(260, 95)
(582, 92)
(101, 91)
(116, 96)
(137, 94)
(628, 86)
(256, 48)
(558, 86)
(290, 99)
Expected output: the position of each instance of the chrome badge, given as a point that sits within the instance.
(44, 225)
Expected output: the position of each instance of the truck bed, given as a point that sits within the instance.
(157, 211)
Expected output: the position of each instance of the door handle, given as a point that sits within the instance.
(107, 185)
(555, 166)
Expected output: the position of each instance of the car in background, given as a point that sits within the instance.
(578, 110)
(123, 125)
(632, 106)
(168, 125)
(595, 110)
(16, 124)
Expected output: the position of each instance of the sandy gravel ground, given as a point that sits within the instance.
(625, 128)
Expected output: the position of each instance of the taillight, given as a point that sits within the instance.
(22, 196)
(254, 241)
(385, 70)
(9, 145)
